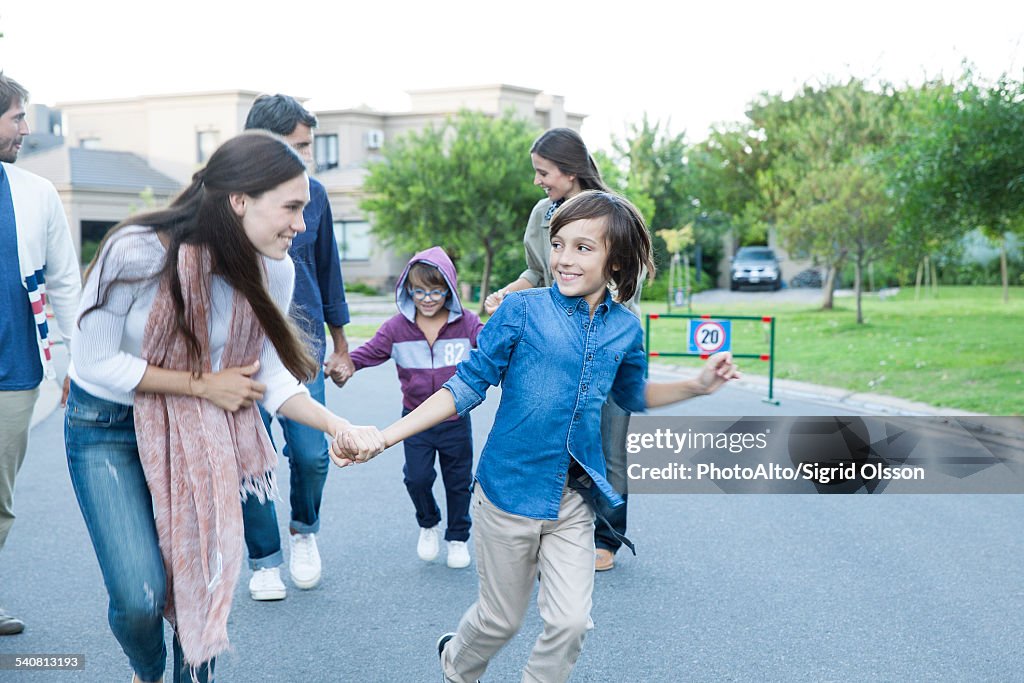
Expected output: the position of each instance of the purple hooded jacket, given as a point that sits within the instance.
(422, 368)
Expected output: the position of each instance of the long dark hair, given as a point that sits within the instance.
(251, 163)
(565, 149)
(629, 241)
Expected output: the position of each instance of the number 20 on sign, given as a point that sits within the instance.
(708, 336)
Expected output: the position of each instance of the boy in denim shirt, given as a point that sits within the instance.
(558, 354)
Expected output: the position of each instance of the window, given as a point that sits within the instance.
(92, 233)
(353, 239)
(207, 142)
(325, 151)
(55, 122)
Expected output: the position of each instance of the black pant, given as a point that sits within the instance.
(614, 430)
(452, 442)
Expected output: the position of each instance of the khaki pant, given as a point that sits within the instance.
(510, 550)
(15, 416)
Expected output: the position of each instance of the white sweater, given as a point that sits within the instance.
(106, 345)
(45, 247)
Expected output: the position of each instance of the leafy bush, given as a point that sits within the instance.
(658, 290)
(980, 273)
(89, 249)
(361, 288)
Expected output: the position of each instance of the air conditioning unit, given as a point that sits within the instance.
(374, 139)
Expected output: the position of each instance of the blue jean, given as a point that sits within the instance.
(614, 431)
(107, 476)
(452, 443)
(308, 462)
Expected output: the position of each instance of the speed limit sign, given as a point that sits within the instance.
(709, 336)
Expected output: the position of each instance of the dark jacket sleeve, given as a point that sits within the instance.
(328, 270)
(375, 351)
(474, 326)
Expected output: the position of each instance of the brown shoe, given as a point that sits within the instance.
(603, 560)
(10, 625)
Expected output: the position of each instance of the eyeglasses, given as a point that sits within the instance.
(421, 294)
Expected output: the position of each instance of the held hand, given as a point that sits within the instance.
(339, 367)
(231, 388)
(356, 444)
(338, 454)
(717, 371)
(367, 442)
(493, 300)
(344, 450)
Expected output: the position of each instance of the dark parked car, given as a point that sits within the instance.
(807, 278)
(755, 266)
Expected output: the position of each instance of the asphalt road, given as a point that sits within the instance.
(725, 588)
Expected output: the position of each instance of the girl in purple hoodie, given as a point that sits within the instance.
(427, 339)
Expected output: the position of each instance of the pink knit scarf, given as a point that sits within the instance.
(199, 461)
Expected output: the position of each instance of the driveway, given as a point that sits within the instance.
(786, 295)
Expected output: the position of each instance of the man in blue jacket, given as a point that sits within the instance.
(319, 298)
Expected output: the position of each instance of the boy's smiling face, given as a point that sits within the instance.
(434, 297)
(579, 257)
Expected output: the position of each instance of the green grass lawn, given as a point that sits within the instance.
(963, 349)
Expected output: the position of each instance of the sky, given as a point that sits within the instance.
(687, 64)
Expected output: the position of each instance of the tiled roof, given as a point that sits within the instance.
(98, 169)
(39, 142)
(120, 170)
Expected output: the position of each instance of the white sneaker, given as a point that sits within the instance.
(304, 564)
(458, 554)
(429, 544)
(266, 584)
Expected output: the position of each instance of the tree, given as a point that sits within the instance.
(676, 241)
(654, 164)
(656, 174)
(465, 185)
(811, 142)
(839, 212)
(724, 171)
(926, 226)
(964, 167)
(614, 176)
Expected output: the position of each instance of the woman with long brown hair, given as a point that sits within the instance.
(182, 329)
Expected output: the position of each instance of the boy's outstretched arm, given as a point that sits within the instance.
(435, 410)
(717, 371)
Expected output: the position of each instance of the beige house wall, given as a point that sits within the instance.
(118, 125)
(161, 129)
(427, 107)
(344, 190)
(100, 205)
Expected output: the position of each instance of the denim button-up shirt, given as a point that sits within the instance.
(556, 366)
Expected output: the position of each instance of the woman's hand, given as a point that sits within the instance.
(356, 444)
(231, 388)
(494, 300)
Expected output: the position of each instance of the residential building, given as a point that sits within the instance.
(103, 155)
